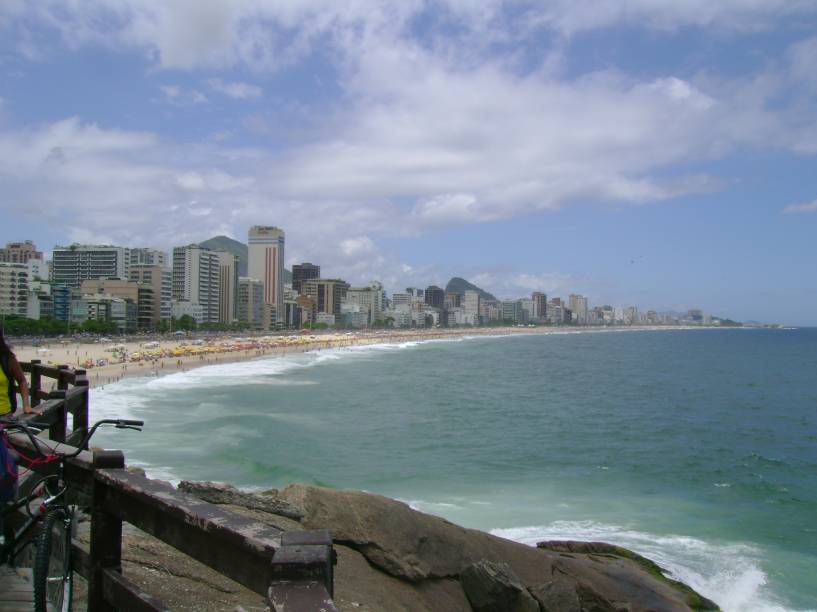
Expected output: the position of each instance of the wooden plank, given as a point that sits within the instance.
(236, 546)
(16, 592)
(125, 595)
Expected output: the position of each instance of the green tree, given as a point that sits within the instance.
(185, 323)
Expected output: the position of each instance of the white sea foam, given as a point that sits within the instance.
(729, 574)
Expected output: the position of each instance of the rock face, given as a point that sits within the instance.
(417, 548)
(224, 494)
(392, 558)
(493, 587)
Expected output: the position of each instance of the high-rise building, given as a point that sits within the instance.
(196, 279)
(160, 279)
(19, 252)
(79, 262)
(401, 301)
(540, 301)
(415, 293)
(14, 289)
(435, 296)
(453, 300)
(303, 272)
(369, 301)
(470, 305)
(578, 305)
(327, 294)
(266, 262)
(227, 286)
(512, 311)
(556, 311)
(148, 257)
(250, 301)
(61, 299)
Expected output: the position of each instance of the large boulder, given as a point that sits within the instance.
(493, 587)
(417, 548)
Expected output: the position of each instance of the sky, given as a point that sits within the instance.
(648, 152)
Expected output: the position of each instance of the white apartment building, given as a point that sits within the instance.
(578, 305)
(180, 308)
(14, 289)
(470, 305)
(227, 286)
(250, 302)
(79, 262)
(20, 252)
(148, 257)
(370, 301)
(196, 273)
(401, 300)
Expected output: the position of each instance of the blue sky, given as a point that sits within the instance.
(642, 152)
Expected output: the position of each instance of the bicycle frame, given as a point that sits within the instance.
(55, 498)
(20, 539)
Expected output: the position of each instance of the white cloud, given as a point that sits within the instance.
(235, 90)
(179, 96)
(359, 245)
(428, 133)
(571, 16)
(263, 34)
(801, 208)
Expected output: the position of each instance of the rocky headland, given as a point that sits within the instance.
(391, 557)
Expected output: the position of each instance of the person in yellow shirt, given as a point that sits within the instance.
(11, 373)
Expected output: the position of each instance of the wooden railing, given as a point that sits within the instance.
(293, 570)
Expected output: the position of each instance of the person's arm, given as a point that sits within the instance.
(22, 383)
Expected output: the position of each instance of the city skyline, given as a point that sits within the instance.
(218, 302)
(635, 153)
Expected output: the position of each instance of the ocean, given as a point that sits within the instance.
(695, 448)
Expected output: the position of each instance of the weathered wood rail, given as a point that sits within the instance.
(292, 570)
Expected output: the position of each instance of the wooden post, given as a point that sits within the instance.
(106, 535)
(80, 421)
(62, 379)
(35, 386)
(56, 431)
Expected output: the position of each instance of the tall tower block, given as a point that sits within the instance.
(266, 263)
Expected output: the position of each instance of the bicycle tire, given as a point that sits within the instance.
(53, 584)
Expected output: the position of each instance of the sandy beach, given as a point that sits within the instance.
(109, 361)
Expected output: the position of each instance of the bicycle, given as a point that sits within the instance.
(53, 581)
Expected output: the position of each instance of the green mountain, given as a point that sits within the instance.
(223, 243)
(235, 247)
(460, 285)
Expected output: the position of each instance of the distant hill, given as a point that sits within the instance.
(223, 243)
(460, 285)
(236, 248)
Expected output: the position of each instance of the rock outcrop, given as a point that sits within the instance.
(392, 558)
(417, 547)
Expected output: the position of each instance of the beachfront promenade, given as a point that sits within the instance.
(292, 570)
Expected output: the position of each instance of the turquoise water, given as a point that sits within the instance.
(696, 448)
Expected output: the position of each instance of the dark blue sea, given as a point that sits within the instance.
(696, 448)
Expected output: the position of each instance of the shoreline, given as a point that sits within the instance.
(110, 362)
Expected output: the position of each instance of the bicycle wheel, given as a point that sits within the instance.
(52, 564)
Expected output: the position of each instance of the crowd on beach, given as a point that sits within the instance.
(107, 361)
